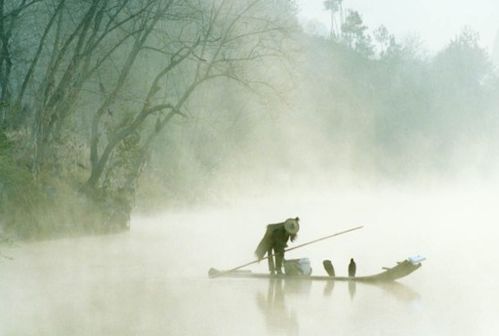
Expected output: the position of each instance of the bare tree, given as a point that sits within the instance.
(208, 44)
(100, 79)
(77, 40)
(9, 15)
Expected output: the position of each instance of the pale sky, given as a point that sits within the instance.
(435, 21)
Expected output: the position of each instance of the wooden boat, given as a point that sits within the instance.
(402, 269)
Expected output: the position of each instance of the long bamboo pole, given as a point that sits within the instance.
(214, 273)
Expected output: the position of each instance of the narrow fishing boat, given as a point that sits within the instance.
(402, 269)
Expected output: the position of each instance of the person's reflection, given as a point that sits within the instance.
(352, 288)
(277, 317)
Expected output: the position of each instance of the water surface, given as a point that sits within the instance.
(153, 280)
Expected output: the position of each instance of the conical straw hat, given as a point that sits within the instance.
(291, 225)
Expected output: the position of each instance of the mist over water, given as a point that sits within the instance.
(154, 281)
(219, 118)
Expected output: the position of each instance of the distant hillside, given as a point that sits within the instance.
(495, 51)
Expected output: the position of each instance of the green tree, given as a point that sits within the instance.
(464, 86)
(386, 45)
(354, 34)
(336, 9)
(463, 63)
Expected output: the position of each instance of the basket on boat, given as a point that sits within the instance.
(297, 267)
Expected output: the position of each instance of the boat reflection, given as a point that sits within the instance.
(281, 319)
(395, 289)
(400, 291)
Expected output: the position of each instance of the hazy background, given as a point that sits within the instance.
(133, 159)
(436, 22)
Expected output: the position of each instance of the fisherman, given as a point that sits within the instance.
(275, 241)
(352, 268)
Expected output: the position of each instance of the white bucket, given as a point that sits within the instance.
(416, 259)
(297, 267)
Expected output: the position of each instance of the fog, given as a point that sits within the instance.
(153, 280)
(144, 142)
(436, 22)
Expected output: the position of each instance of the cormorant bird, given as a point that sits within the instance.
(352, 268)
(328, 266)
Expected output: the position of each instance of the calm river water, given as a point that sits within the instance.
(153, 279)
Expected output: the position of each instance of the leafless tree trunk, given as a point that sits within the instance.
(220, 49)
(77, 55)
(7, 22)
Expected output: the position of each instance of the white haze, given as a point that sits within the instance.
(435, 21)
(153, 280)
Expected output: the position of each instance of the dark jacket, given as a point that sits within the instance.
(276, 237)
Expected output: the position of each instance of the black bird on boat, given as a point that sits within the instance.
(352, 268)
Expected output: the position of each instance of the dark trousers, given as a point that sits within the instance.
(279, 257)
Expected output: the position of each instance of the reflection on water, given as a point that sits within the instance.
(397, 290)
(328, 289)
(400, 291)
(152, 281)
(352, 289)
(281, 319)
(273, 306)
